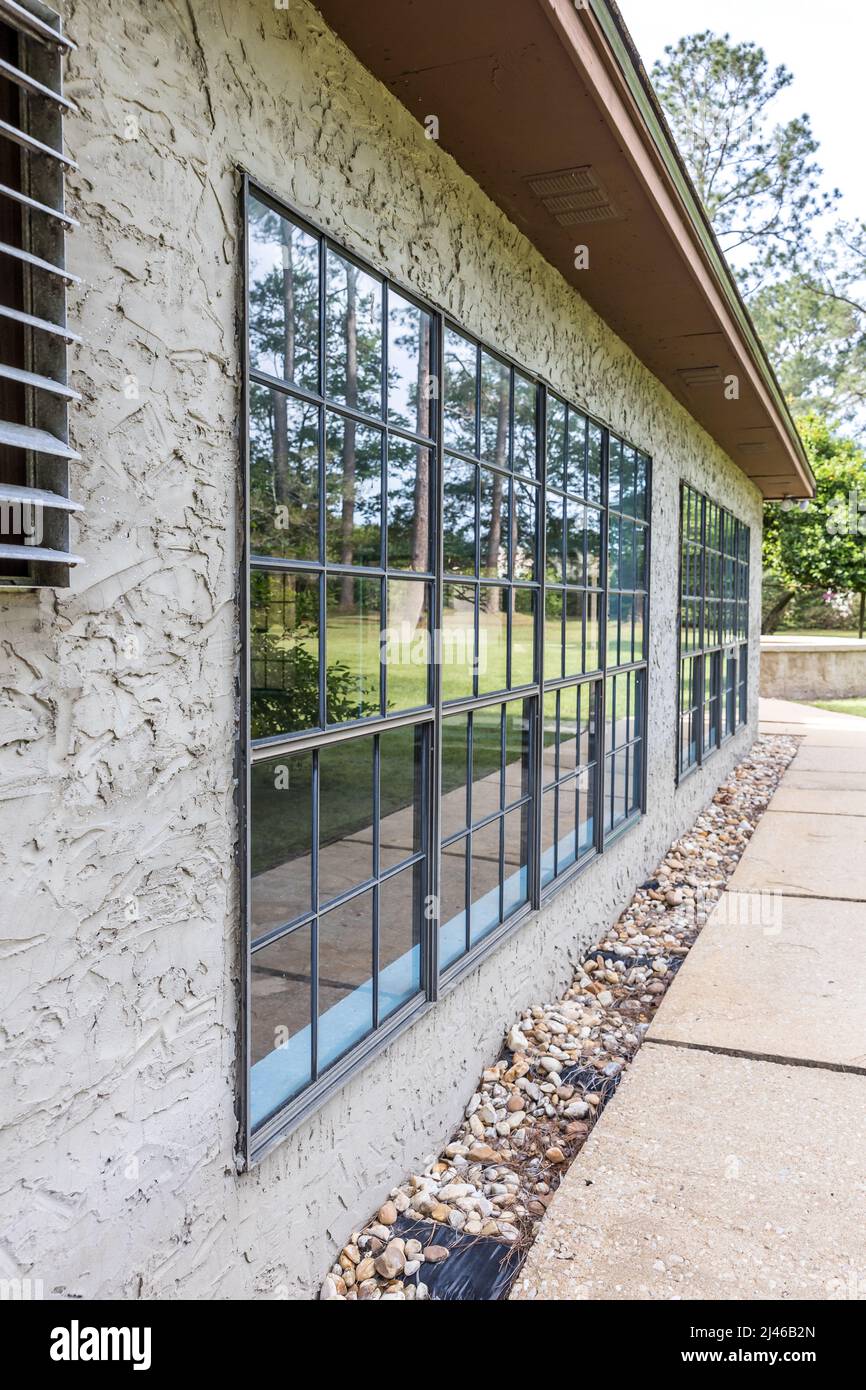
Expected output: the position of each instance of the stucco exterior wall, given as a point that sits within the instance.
(117, 824)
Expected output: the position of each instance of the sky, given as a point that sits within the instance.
(822, 45)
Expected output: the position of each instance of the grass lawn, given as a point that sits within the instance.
(857, 707)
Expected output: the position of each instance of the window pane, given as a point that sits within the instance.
(523, 637)
(525, 510)
(284, 653)
(573, 632)
(486, 762)
(284, 475)
(627, 479)
(553, 634)
(640, 485)
(280, 1031)
(568, 711)
(593, 547)
(613, 552)
(458, 517)
(495, 393)
(458, 640)
(626, 554)
(452, 922)
(492, 638)
(517, 727)
(409, 347)
(406, 645)
(460, 364)
(345, 816)
(574, 563)
(592, 659)
(345, 977)
(576, 470)
(588, 699)
(353, 326)
(556, 451)
(284, 298)
(525, 425)
(353, 629)
(586, 810)
(515, 884)
(493, 517)
(548, 836)
(484, 912)
(555, 556)
(640, 575)
(401, 766)
(595, 436)
(614, 471)
(409, 497)
(281, 814)
(353, 479)
(400, 903)
(454, 813)
(549, 738)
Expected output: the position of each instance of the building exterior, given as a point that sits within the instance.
(411, 609)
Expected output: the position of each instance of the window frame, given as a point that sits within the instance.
(726, 642)
(435, 983)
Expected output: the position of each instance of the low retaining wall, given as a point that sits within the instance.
(813, 669)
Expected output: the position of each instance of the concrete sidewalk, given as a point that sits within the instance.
(732, 1161)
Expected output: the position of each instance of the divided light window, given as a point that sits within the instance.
(714, 627)
(446, 663)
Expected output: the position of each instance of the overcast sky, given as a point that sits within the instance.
(823, 46)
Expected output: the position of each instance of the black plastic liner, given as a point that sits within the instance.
(479, 1268)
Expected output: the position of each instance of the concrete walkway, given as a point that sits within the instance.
(732, 1161)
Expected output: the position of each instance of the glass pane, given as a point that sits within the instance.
(409, 494)
(484, 912)
(400, 903)
(345, 816)
(567, 825)
(280, 1013)
(455, 735)
(592, 657)
(486, 762)
(409, 381)
(593, 547)
(626, 554)
(458, 640)
(586, 810)
(284, 298)
(573, 632)
(576, 471)
(640, 485)
(353, 479)
(523, 637)
(492, 638)
(614, 471)
(587, 752)
(353, 628)
(452, 919)
(281, 814)
(554, 558)
(548, 835)
(626, 605)
(493, 519)
(517, 727)
(406, 647)
(345, 977)
(284, 475)
(515, 882)
(460, 364)
(284, 653)
(640, 577)
(574, 562)
(549, 738)
(525, 508)
(595, 436)
(353, 327)
(613, 552)
(568, 711)
(458, 518)
(495, 392)
(555, 441)
(627, 479)
(553, 634)
(401, 764)
(525, 425)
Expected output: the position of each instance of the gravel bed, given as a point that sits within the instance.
(561, 1062)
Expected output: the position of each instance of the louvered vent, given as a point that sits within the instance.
(34, 338)
(573, 196)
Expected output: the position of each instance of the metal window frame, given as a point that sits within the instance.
(435, 983)
(721, 645)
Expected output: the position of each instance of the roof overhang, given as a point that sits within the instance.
(523, 88)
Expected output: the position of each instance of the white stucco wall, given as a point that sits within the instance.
(117, 824)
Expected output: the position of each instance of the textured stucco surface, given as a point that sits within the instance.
(815, 672)
(117, 823)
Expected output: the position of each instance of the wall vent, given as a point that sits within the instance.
(700, 376)
(573, 196)
(35, 505)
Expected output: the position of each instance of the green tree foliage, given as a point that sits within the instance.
(758, 179)
(823, 547)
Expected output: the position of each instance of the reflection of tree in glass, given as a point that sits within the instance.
(290, 700)
(408, 486)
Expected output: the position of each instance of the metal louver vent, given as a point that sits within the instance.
(573, 196)
(34, 393)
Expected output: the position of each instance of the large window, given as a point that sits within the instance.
(446, 664)
(714, 628)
